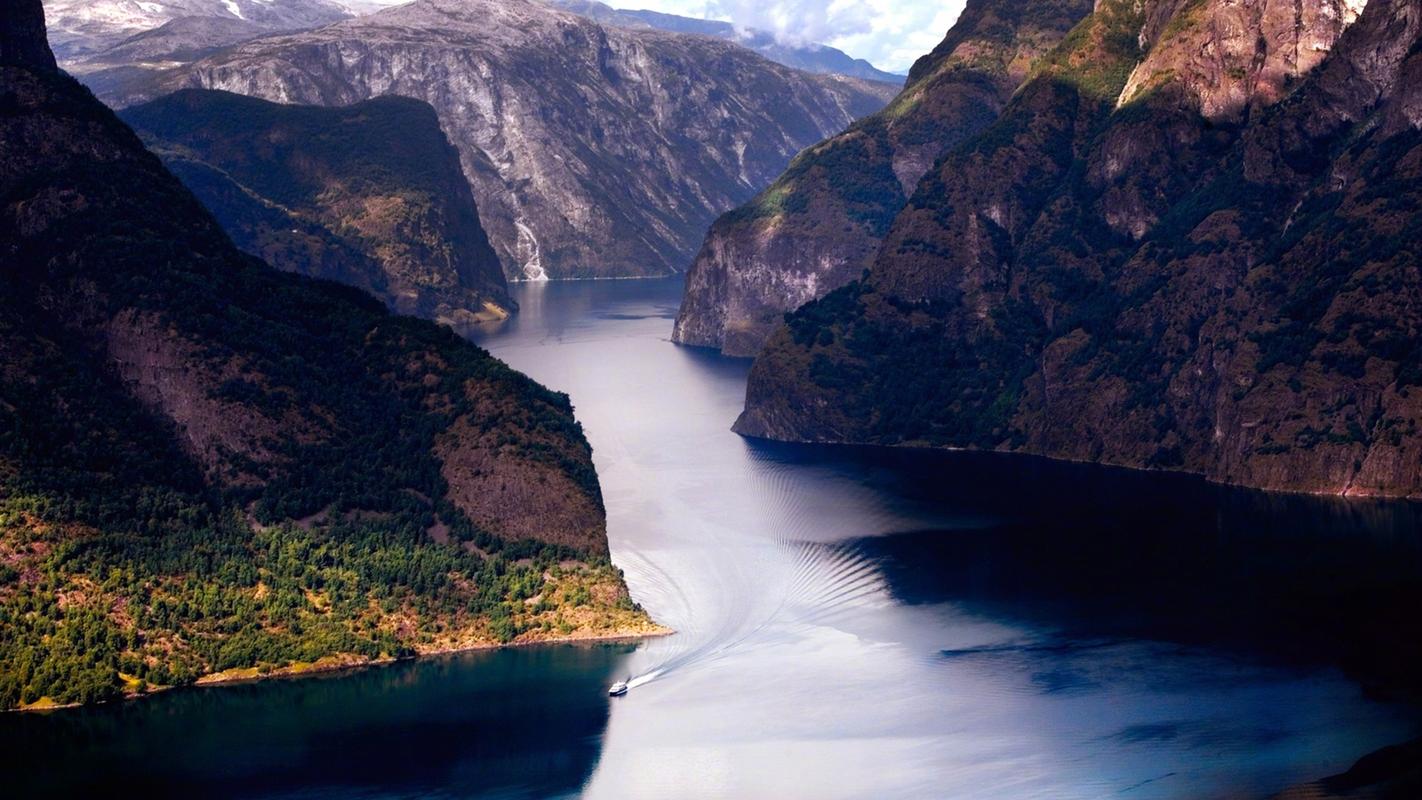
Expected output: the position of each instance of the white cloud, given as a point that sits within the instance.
(891, 34)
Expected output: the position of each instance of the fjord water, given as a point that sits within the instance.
(850, 623)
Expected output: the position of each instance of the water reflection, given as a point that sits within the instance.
(1097, 552)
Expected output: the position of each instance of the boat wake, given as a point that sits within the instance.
(797, 584)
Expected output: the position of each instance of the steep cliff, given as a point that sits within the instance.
(1186, 244)
(593, 151)
(370, 195)
(207, 464)
(819, 225)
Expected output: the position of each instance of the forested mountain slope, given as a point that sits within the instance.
(207, 464)
(370, 195)
(1186, 244)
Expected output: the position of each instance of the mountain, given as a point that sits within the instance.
(593, 151)
(370, 195)
(83, 28)
(809, 57)
(183, 39)
(1186, 244)
(819, 225)
(209, 465)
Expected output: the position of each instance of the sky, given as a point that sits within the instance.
(890, 34)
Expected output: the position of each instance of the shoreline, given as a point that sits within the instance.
(1170, 474)
(530, 282)
(333, 664)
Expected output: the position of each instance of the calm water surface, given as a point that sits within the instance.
(851, 624)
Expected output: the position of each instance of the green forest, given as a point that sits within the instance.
(104, 614)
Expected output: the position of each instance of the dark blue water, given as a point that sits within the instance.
(851, 624)
(522, 722)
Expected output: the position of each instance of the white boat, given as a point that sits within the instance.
(618, 689)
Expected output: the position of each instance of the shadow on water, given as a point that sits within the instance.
(515, 723)
(1089, 553)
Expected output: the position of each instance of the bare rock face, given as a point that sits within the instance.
(370, 195)
(1208, 269)
(593, 151)
(500, 490)
(820, 224)
(1236, 56)
(169, 375)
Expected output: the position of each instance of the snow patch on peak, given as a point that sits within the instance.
(81, 28)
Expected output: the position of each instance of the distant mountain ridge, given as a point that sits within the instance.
(593, 150)
(83, 28)
(182, 39)
(810, 57)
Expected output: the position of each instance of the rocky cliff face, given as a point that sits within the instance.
(1232, 58)
(85, 28)
(593, 151)
(819, 225)
(370, 195)
(1171, 251)
(206, 463)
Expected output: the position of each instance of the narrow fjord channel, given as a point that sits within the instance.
(850, 624)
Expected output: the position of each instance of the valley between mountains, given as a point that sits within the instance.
(592, 150)
(1045, 422)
